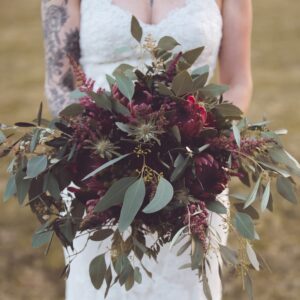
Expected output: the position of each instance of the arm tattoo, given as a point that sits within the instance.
(58, 45)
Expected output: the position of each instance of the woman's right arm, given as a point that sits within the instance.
(61, 19)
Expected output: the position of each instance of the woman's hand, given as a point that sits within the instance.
(61, 20)
(235, 52)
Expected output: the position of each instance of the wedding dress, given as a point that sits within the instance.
(105, 27)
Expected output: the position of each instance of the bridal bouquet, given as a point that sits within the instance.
(148, 157)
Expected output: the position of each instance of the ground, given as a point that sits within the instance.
(25, 274)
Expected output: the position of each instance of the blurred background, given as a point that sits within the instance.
(25, 274)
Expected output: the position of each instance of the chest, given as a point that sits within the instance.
(105, 26)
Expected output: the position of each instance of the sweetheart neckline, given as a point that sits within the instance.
(168, 16)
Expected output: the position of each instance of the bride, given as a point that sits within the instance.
(91, 31)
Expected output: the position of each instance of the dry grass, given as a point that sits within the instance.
(26, 274)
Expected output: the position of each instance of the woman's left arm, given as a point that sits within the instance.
(235, 51)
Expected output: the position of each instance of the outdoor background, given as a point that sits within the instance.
(25, 274)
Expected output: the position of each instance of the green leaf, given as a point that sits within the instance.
(229, 110)
(203, 148)
(244, 225)
(42, 236)
(176, 132)
(179, 170)
(252, 257)
(228, 255)
(125, 85)
(286, 189)
(72, 110)
(115, 194)
(213, 90)
(101, 100)
(35, 139)
(266, 196)
(183, 248)
(119, 107)
(163, 195)
(105, 165)
(197, 253)
(97, 271)
(280, 171)
(182, 83)
(108, 279)
(22, 185)
(253, 194)
(10, 189)
(133, 201)
(200, 71)
(124, 127)
(36, 165)
(237, 135)
(2, 137)
(216, 207)
(164, 90)
(122, 69)
(51, 185)
(192, 55)
(167, 43)
(77, 94)
(206, 287)
(102, 234)
(137, 275)
(176, 236)
(200, 81)
(248, 286)
(136, 29)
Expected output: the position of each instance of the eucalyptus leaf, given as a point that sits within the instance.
(253, 194)
(137, 275)
(72, 110)
(229, 256)
(115, 194)
(182, 83)
(77, 94)
(2, 137)
(192, 55)
(252, 257)
(124, 127)
(119, 107)
(197, 253)
(200, 81)
(136, 29)
(36, 165)
(286, 189)
(105, 165)
(22, 185)
(200, 71)
(180, 169)
(176, 236)
(10, 189)
(244, 225)
(97, 271)
(266, 196)
(167, 43)
(35, 139)
(184, 247)
(133, 201)
(216, 207)
(248, 286)
(213, 90)
(41, 238)
(176, 132)
(101, 234)
(122, 69)
(101, 100)
(206, 287)
(237, 135)
(163, 195)
(125, 85)
(228, 110)
(164, 90)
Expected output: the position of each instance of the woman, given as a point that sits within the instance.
(90, 31)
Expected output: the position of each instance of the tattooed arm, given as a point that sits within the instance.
(61, 20)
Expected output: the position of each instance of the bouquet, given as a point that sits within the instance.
(149, 156)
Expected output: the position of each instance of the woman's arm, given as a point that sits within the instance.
(61, 20)
(235, 52)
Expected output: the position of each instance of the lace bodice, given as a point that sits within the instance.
(105, 29)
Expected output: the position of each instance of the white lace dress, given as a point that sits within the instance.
(104, 28)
